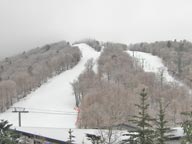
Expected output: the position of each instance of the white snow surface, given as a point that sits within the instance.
(151, 63)
(80, 134)
(52, 105)
(177, 132)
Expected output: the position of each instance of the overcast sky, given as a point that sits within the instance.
(26, 24)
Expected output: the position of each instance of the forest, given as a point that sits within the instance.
(176, 55)
(23, 73)
(107, 97)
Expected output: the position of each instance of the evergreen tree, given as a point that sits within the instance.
(7, 136)
(169, 44)
(144, 134)
(187, 127)
(161, 125)
(71, 137)
(93, 138)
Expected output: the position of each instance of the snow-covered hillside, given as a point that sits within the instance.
(52, 105)
(151, 63)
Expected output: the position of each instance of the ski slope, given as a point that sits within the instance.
(52, 105)
(151, 63)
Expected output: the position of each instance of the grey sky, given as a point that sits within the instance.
(25, 24)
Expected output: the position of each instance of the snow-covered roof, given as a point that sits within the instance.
(62, 134)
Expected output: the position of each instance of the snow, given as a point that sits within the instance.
(151, 63)
(52, 105)
(59, 133)
(177, 132)
(80, 134)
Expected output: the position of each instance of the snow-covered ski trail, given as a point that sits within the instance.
(52, 105)
(151, 63)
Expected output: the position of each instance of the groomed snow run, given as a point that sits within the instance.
(52, 105)
(151, 63)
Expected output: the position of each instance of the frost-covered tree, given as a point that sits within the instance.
(29, 70)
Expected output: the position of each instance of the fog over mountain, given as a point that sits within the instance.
(26, 24)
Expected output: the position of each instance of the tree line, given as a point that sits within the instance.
(23, 73)
(108, 97)
(95, 44)
(176, 55)
(149, 129)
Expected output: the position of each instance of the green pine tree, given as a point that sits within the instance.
(161, 125)
(7, 136)
(187, 127)
(144, 134)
